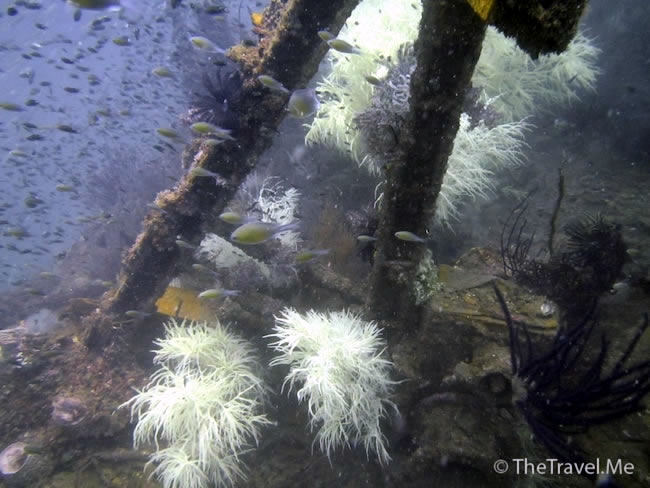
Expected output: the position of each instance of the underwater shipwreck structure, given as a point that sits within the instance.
(451, 424)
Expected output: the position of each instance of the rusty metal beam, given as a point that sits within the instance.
(290, 50)
(448, 46)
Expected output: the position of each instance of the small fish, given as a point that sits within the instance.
(405, 235)
(234, 218)
(35, 292)
(366, 238)
(308, 255)
(170, 134)
(218, 293)
(213, 9)
(202, 268)
(343, 46)
(28, 74)
(66, 128)
(212, 130)
(110, 5)
(202, 172)
(77, 15)
(272, 83)
(122, 41)
(47, 275)
(17, 232)
(71, 89)
(34, 137)
(163, 72)
(65, 188)
(303, 103)
(258, 232)
(326, 35)
(17, 153)
(372, 80)
(184, 244)
(35, 450)
(205, 44)
(12, 107)
(32, 202)
(213, 142)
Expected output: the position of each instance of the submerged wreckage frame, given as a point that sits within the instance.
(448, 46)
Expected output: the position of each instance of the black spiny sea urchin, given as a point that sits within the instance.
(221, 101)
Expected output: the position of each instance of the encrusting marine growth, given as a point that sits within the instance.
(335, 362)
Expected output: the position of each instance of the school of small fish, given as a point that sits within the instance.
(80, 79)
(88, 75)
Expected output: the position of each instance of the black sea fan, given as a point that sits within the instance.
(566, 390)
(221, 101)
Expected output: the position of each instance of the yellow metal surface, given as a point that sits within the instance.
(482, 7)
(183, 303)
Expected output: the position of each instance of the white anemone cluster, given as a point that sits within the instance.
(514, 85)
(280, 205)
(223, 255)
(378, 28)
(479, 153)
(336, 365)
(204, 405)
(520, 86)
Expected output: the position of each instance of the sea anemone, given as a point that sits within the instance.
(520, 86)
(204, 402)
(269, 199)
(280, 205)
(365, 98)
(176, 468)
(223, 255)
(336, 358)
